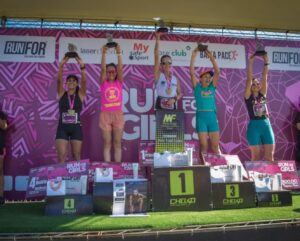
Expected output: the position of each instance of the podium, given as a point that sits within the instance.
(274, 199)
(181, 189)
(69, 205)
(233, 195)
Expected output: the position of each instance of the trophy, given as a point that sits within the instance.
(260, 49)
(72, 51)
(110, 43)
(202, 47)
(162, 27)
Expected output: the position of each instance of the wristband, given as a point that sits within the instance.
(83, 67)
(267, 64)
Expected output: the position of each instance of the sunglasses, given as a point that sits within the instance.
(71, 80)
(111, 72)
(166, 62)
(256, 84)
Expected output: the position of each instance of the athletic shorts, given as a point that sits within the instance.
(69, 132)
(206, 121)
(260, 132)
(109, 121)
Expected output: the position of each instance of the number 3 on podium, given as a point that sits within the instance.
(181, 182)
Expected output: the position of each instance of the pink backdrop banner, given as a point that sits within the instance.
(28, 96)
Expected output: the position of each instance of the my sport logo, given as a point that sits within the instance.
(25, 48)
(169, 118)
(175, 202)
(233, 195)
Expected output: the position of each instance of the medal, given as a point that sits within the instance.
(71, 112)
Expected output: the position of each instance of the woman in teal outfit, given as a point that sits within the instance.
(207, 125)
(259, 128)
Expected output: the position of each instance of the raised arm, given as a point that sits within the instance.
(192, 67)
(264, 82)
(82, 90)
(103, 65)
(216, 77)
(156, 56)
(120, 64)
(60, 87)
(247, 92)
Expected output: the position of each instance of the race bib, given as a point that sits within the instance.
(260, 110)
(164, 104)
(69, 118)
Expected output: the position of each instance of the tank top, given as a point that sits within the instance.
(64, 105)
(257, 107)
(111, 96)
(165, 88)
(205, 97)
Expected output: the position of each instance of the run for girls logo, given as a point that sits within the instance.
(77, 167)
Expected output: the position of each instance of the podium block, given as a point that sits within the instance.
(274, 199)
(233, 195)
(69, 205)
(181, 189)
(103, 197)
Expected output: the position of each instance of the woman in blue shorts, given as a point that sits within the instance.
(259, 128)
(206, 116)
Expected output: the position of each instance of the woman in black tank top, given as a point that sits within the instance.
(70, 105)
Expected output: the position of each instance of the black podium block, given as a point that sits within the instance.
(69, 205)
(233, 195)
(103, 197)
(274, 199)
(181, 189)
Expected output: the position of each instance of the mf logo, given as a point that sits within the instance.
(69, 203)
(232, 191)
(140, 47)
(169, 118)
(275, 198)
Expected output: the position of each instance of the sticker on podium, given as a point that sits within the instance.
(233, 195)
(69, 205)
(181, 189)
(274, 199)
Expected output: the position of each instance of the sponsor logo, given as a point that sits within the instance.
(169, 118)
(27, 48)
(69, 203)
(286, 57)
(139, 52)
(233, 195)
(177, 52)
(176, 202)
(231, 55)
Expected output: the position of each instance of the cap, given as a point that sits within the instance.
(207, 72)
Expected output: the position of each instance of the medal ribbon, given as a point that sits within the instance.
(71, 102)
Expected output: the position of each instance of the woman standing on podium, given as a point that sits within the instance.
(70, 106)
(167, 85)
(259, 127)
(111, 116)
(207, 125)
